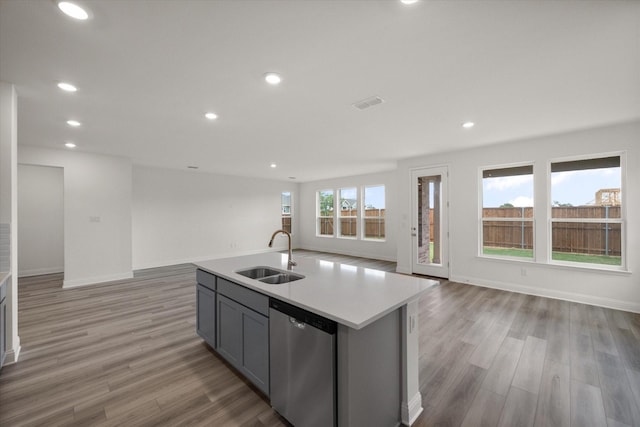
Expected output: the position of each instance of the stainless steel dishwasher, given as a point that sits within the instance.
(303, 365)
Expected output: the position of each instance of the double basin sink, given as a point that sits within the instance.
(270, 275)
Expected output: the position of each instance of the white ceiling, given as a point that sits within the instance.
(148, 70)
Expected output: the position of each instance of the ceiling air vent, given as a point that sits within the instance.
(369, 102)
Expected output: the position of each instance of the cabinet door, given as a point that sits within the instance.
(229, 331)
(206, 314)
(255, 351)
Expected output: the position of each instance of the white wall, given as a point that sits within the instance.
(612, 289)
(97, 213)
(187, 216)
(41, 213)
(365, 248)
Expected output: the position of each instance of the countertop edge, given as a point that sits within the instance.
(248, 283)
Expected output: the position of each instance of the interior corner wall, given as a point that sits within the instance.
(9, 212)
(364, 248)
(41, 226)
(597, 287)
(97, 213)
(188, 216)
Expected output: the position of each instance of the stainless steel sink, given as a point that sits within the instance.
(270, 275)
(282, 278)
(258, 272)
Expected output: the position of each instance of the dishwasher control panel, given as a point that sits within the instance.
(304, 316)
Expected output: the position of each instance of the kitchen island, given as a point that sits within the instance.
(377, 335)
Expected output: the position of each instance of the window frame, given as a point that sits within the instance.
(320, 217)
(364, 217)
(283, 215)
(482, 219)
(622, 220)
(339, 216)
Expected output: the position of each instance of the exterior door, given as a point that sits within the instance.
(429, 231)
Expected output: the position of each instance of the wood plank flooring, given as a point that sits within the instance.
(126, 353)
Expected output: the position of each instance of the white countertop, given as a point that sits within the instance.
(350, 295)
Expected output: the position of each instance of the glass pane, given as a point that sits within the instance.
(348, 212)
(429, 224)
(325, 226)
(501, 194)
(586, 189)
(325, 213)
(508, 238)
(507, 193)
(594, 243)
(374, 208)
(285, 209)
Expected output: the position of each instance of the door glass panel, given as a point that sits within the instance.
(429, 219)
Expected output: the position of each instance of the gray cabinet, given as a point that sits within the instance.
(206, 319)
(3, 323)
(206, 307)
(243, 333)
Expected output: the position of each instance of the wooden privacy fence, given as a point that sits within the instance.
(374, 224)
(599, 238)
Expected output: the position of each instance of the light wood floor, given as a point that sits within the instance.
(126, 353)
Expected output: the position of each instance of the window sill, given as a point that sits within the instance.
(559, 265)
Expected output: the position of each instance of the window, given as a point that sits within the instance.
(285, 209)
(374, 208)
(325, 213)
(348, 213)
(586, 211)
(507, 212)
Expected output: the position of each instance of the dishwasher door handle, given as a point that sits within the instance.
(294, 322)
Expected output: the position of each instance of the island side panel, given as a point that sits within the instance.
(369, 373)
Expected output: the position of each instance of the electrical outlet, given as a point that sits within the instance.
(523, 271)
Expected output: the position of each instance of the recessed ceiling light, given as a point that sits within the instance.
(211, 116)
(273, 165)
(468, 125)
(70, 145)
(73, 10)
(292, 177)
(408, 1)
(67, 87)
(73, 123)
(273, 78)
(192, 167)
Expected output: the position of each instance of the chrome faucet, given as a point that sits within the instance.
(290, 262)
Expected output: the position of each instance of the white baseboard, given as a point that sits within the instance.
(40, 271)
(95, 280)
(550, 293)
(349, 253)
(164, 263)
(13, 354)
(411, 410)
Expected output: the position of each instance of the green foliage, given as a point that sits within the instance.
(506, 205)
(326, 204)
(557, 204)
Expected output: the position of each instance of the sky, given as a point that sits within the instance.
(373, 196)
(574, 187)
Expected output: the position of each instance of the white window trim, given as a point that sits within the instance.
(623, 267)
(318, 217)
(480, 252)
(290, 208)
(338, 229)
(364, 216)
